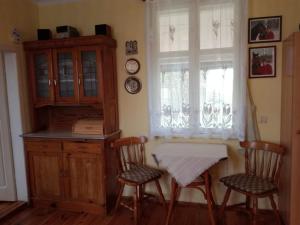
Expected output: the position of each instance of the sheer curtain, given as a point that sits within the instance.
(197, 67)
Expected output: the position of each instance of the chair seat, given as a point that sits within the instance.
(248, 183)
(140, 174)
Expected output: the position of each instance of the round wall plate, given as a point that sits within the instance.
(132, 66)
(133, 85)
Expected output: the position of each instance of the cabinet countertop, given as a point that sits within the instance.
(66, 135)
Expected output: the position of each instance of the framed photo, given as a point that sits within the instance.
(131, 47)
(264, 29)
(262, 62)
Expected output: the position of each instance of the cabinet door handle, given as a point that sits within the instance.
(49, 82)
(79, 81)
(54, 81)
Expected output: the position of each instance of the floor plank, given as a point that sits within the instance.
(7, 208)
(153, 214)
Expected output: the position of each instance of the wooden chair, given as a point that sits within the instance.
(263, 161)
(133, 172)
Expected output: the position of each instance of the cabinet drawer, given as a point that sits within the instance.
(74, 147)
(43, 146)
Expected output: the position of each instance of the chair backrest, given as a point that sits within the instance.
(263, 159)
(130, 151)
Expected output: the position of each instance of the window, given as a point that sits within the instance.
(196, 62)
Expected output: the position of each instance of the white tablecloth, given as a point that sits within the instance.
(186, 161)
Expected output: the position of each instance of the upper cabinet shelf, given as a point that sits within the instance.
(72, 71)
(78, 72)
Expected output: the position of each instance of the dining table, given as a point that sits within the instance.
(188, 164)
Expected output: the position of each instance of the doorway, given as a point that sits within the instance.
(12, 165)
(7, 178)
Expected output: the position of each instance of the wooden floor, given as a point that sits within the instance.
(6, 208)
(153, 215)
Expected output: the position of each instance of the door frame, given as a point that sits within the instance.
(20, 109)
(8, 189)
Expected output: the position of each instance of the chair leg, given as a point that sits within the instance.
(210, 192)
(174, 196)
(275, 209)
(161, 196)
(137, 205)
(254, 211)
(119, 197)
(210, 201)
(248, 202)
(224, 203)
(141, 194)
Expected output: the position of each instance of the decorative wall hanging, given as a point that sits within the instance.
(131, 47)
(132, 66)
(133, 85)
(262, 62)
(264, 29)
(16, 36)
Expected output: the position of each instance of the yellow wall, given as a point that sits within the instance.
(22, 15)
(127, 20)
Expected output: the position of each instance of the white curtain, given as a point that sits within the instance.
(197, 67)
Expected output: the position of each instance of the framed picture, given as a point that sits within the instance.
(262, 62)
(264, 29)
(131, 47)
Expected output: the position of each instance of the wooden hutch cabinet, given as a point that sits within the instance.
(72, 79)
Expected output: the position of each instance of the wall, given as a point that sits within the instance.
(267, 92)
(127, 20)
(22, 15)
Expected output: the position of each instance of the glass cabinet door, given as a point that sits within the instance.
(42, 77)
(89, 87)
(65, 76)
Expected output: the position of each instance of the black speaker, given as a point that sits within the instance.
(103, 29)
(44, 34)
